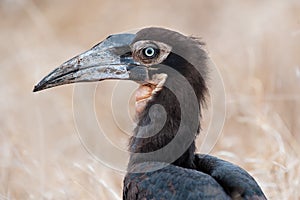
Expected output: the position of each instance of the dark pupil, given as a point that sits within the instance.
(150, 52)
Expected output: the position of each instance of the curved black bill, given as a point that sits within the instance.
(110, 59)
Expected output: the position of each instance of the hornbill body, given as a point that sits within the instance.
(172, 71)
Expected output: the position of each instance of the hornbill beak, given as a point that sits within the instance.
(110, 59)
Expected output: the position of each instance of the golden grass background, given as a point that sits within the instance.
(255, 44)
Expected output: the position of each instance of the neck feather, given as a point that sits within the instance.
(170, 122)
(158, 126)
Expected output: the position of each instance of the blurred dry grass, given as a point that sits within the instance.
(256, 45)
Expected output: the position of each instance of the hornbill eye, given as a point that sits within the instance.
(150, 52)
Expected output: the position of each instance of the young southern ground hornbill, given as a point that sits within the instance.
(172, 72)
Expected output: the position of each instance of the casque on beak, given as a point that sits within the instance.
(110, 59)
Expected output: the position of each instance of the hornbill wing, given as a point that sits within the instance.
(233, 179)
(172, 182)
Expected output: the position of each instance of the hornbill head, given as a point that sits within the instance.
(151, 57)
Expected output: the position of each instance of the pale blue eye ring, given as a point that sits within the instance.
(150, 52)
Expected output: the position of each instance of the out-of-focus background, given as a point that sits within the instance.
(255, 44)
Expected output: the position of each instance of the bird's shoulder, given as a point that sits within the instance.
(238, 183)
(171, 182)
